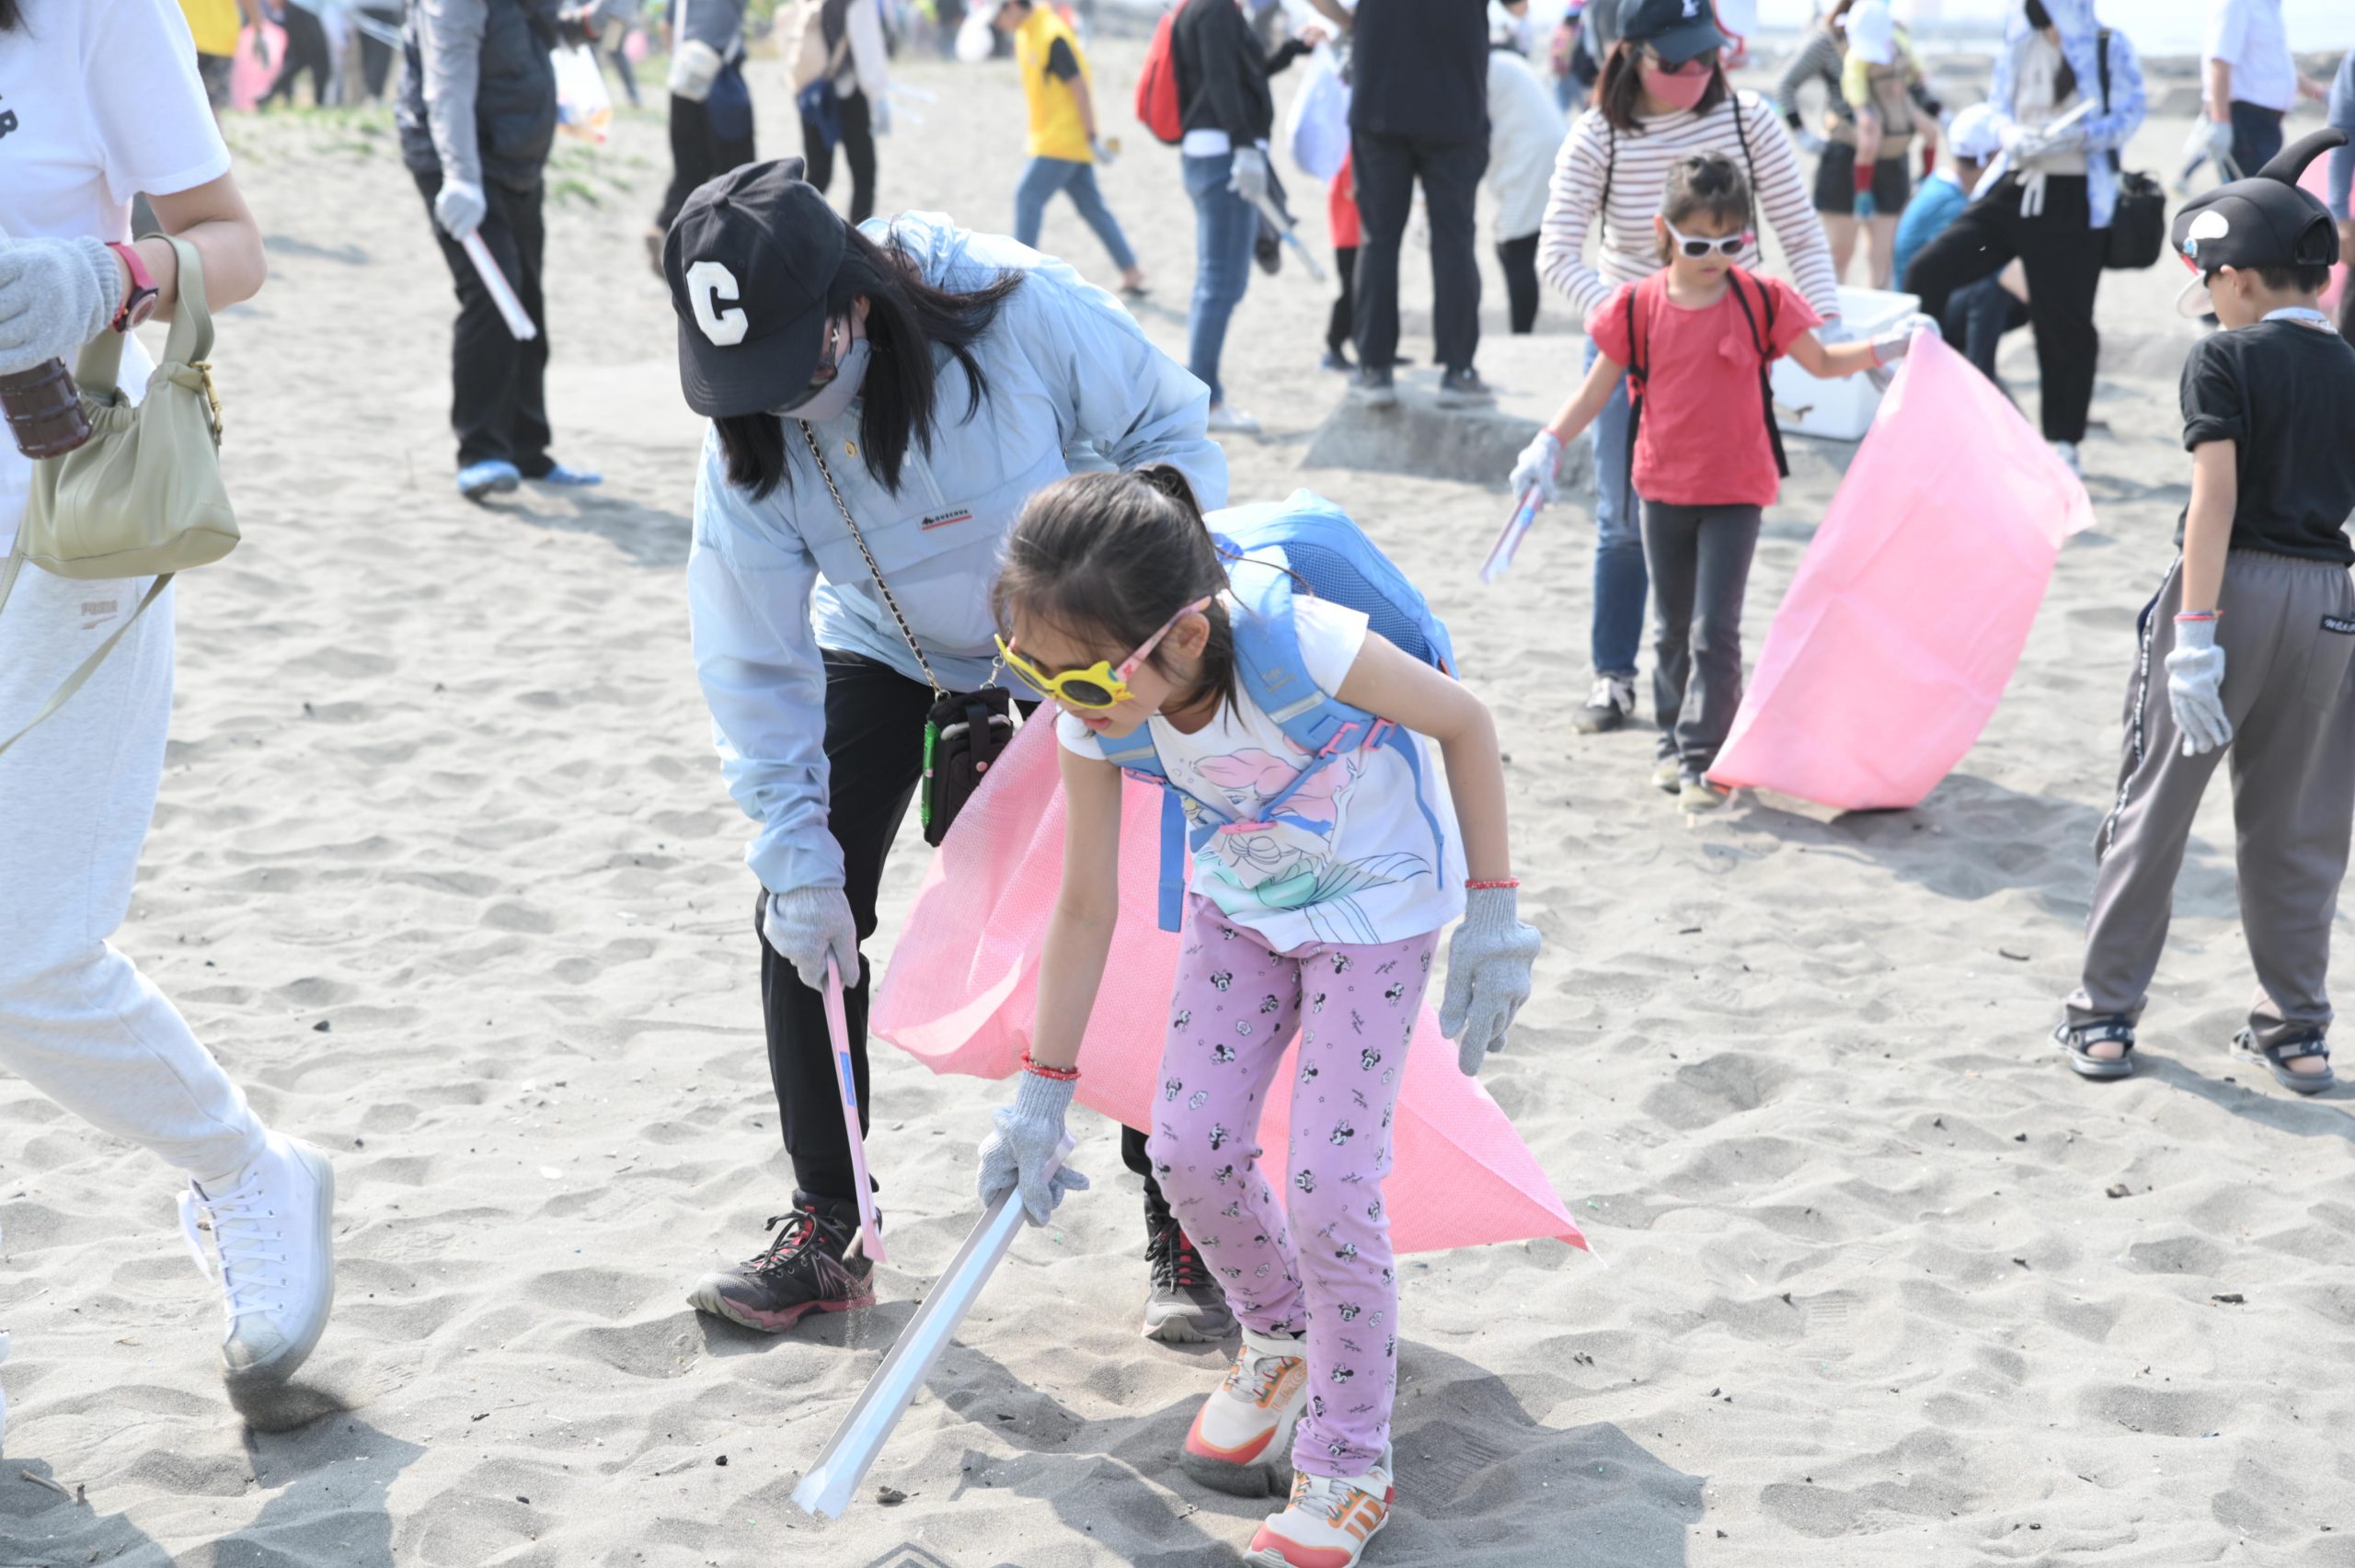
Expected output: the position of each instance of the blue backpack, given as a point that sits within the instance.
(1274, 549)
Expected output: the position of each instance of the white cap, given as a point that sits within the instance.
(1872, 32)
(1973, 133)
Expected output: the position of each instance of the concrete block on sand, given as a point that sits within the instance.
(1532, 376)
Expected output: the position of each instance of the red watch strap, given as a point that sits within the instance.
(142, 287)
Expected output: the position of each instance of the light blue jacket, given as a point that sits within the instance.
(2107, 129)
(1073, 385)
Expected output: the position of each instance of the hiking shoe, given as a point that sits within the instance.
(1241, 1439)
(1186, 1306)
(1268, 250)
(1695, 792)
(1464, 389)
(1226, 421)
(1327, 1522)
(273, 1227)
(1609, 706)
(812, 1265)
(1373, 387)
(1668, 775)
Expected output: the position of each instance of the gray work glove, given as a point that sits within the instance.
(2216, 137)
(1540, 463)
(1029, 1135)
(55, 295)
(1101, 151)
(878, 116)
(2195, 688)
(1488, 964)
(1894, 345)
(1811, 142)
(807, 924)
(459, 208)
(1248, 179)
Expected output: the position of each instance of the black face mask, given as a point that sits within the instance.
(2038, 17)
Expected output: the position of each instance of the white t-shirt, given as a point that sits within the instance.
(98, 99)
(2248, 36)
(1350, 858)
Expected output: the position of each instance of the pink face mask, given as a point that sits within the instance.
(1677, 92)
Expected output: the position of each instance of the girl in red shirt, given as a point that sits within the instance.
(1697, 338)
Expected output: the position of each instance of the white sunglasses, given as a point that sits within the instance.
(1696, 246)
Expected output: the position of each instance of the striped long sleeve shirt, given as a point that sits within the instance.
(1635, 169)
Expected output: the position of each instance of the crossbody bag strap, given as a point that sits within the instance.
(873, 570)
(88, 665)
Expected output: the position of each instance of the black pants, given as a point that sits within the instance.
(2063, 255)
(1519, 258)
(499, 398)
(874, 759)
(697, 153)
(858, 150)
(375, 56)
(1386, 169)
(307, 49)
(1342, 324)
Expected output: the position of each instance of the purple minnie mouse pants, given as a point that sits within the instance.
(1237, 1007)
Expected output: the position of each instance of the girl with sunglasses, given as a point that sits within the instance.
(1698, 340)
(1314, 908)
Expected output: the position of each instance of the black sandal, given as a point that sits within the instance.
(2115, 1029)
(2276, 1060)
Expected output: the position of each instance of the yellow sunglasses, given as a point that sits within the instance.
(1098, 686)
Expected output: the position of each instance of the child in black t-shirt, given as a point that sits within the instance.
(2252, 634)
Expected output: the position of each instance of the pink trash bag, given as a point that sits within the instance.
(963, 982)
(1908, 616)
(249, 79)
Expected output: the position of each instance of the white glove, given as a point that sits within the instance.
(1540, 463)
(1811, 142)
(1249, 178)
(1894, 345)
(1101, 151)
(2195, 688)
(1489, 960)
(55, 295)
(1027, 1140)
(459, 208)
(806, 925)
(261, 48)
(878, 116)
(2216, 136)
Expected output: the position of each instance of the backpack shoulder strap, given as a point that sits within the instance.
(2101, 55)
(1764, 342)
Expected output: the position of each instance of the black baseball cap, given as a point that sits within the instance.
(748, 262)
(2265, 220)
(1676, 29)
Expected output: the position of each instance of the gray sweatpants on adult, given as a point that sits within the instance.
(2288, 630)
(1699, 558)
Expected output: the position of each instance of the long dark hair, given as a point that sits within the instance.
(12, 16)
(2064, 81)
(1623, 83)
(1706, 182)
(1109, 559)
(907, 318)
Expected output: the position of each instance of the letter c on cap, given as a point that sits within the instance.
(709, 282)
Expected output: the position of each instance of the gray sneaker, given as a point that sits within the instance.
(1464, 389)
(1373, 387)
(1186, 1306)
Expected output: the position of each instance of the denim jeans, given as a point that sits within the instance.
(1984, 312)
(1039, 183)
(1620, 582)
(1225, 227)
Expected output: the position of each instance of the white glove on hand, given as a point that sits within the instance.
(1811, 142)
(1029, 1135)
(1249, 178)
(878, 116)
(459, 208)
(2216, 136)
(1489, 960)
(1540, 463)
(55, 295)
(1894, 344)
(1101, 151)
(2195, 688)
(807, 924)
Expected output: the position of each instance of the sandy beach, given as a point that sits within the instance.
(446, 874)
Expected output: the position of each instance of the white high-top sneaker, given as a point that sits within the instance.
(273, 1227)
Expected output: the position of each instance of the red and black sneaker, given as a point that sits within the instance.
(814, 1265)
(1186, 1306)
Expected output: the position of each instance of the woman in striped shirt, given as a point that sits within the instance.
(1663, 97)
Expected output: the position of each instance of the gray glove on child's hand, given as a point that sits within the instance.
(1539, 464)
(2216, 136)
(1029, 1136)
(55, 295)
(460, 208)
(1248, 177)
(1488, 964)
(2195, 688)
(807, 924)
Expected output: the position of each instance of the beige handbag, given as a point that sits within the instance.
(143, 497)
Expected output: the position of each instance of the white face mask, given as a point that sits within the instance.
(834, 399)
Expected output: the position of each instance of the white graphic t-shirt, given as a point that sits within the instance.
(1353, 857)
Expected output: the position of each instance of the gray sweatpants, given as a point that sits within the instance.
(2288, 630)
(1699, 558)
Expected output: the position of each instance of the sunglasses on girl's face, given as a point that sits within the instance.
(1099, 686)
(1696, 247)
(1699, 66)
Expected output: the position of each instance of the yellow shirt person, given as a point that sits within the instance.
(1063, 136)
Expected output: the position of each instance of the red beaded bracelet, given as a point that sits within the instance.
(1060, 1074)
(1500, 882)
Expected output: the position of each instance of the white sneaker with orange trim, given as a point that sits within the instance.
(1241, 1439)
(1329, 1522)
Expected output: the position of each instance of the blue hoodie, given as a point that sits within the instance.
(1073, 385)
(2108, 126)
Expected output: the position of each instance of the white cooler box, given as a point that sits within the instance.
(1840, 410)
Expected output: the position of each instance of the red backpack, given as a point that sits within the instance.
(1158, 103)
